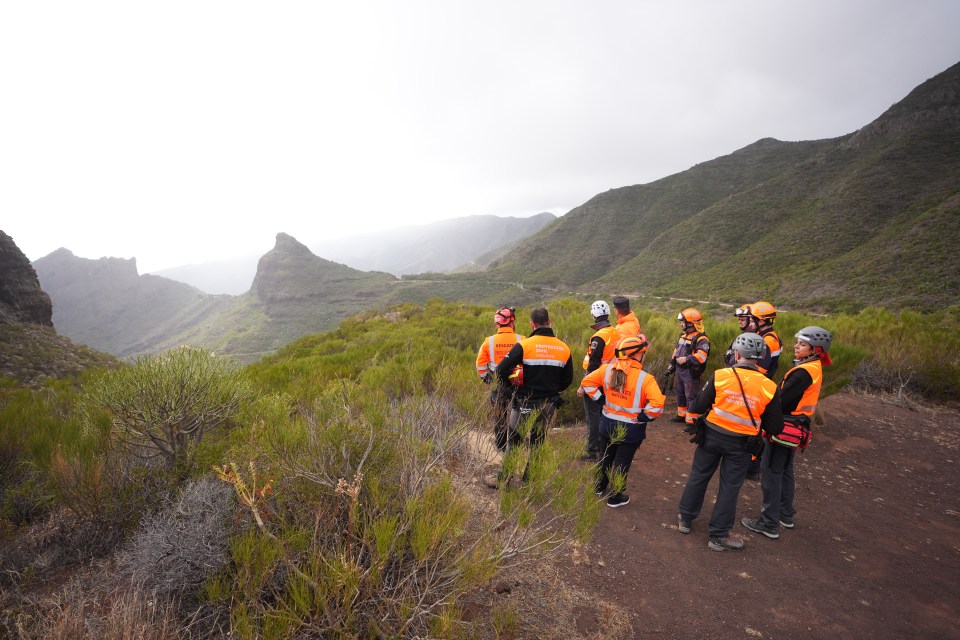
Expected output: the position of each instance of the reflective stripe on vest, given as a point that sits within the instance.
(777, 347)
(808, 401)
(729, 411)
(544, 351)
(492, 346)
(610, 337)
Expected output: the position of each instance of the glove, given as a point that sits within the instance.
(488, 377)
(672, 369)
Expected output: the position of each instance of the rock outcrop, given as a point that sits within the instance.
(21, 298)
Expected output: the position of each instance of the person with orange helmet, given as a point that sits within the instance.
(627, 323)
(492, 351)
(547, 370)
(632, 399)
(738, 402)
(599, 351)
(799, 394)
(689, 361)
(763, 314)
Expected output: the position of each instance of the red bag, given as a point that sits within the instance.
(796, 433)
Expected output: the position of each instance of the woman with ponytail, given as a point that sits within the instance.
(632, 399)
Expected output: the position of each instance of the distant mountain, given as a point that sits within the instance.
(870, 218)
(232, 276)
(436, 247)
(107, 305)
(31, 352)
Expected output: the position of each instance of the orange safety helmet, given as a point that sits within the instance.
(631, 346)
(691, 315)
(763, 311)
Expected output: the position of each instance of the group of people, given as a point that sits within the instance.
(743, 423)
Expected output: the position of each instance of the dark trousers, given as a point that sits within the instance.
(538, 431)
(777, 483)
(620, 441)
(687, 386)
(755, 464)
(593, 411)
(501, 399)
(726, 452)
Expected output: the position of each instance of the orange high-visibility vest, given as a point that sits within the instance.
(610, 337)
(641, 393)
(774, 343)
(729, 411)
(544, 351)
(808, 401)
(494, 349)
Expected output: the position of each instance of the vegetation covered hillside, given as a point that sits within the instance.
(866, 219)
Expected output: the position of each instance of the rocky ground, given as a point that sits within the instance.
(875, 551)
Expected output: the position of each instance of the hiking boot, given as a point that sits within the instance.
(492, 480)
(757, 525)
(678, 419)
(786, 522)
(589, 457)
(618, 500)
(600, 489)
(683, 524)
(728, 543)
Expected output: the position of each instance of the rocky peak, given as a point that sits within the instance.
(935, 104)
(21, 298)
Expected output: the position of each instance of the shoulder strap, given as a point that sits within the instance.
(743, 393)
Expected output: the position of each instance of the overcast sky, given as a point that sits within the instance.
(179, 132)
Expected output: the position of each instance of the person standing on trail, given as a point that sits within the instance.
(599, 351)
(749, 324)
(627, 324)
(799, 393)
(541, 368)
(689, 360)
(492, 351)
(633, 398)
(738, 401)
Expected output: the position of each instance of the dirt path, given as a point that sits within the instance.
(875, 552)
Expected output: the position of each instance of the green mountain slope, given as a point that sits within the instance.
(868, 218)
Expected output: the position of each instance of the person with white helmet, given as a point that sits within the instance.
(799, 393)
(633, 399)
(599, 351)
(734, 405)
(688, 362)
(492, 352)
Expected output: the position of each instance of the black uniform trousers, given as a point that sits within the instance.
(724, 450)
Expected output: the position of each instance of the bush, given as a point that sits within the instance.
(162, 405)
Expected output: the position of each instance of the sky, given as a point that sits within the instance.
(180, 132)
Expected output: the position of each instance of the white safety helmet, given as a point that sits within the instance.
(600, 309)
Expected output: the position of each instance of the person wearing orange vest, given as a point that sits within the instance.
(763, 314)
(627, 323)
(688, 362)
(600, 351)
(632, 399)
(545, 371)
(799, 393)
(738, 402)
(492, 351)
(749, 324)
